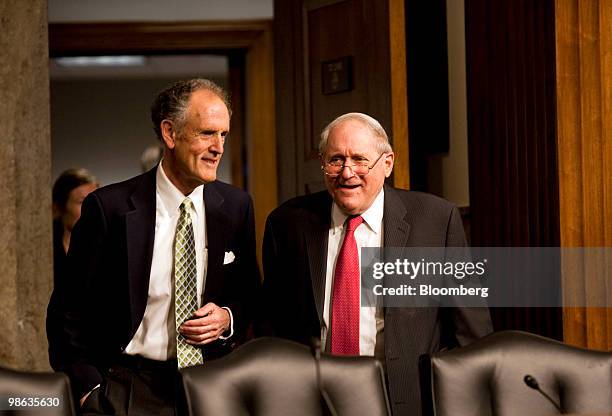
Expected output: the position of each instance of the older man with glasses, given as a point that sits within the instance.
(311, 261)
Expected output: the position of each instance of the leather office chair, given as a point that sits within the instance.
(272, 376)
(50, 386)
(487, 378)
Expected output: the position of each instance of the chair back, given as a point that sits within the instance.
(487, 378)
(273, 376)
(51, 389)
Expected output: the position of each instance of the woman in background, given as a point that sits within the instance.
(69, 191)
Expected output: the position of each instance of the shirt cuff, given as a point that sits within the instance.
(88, 394)
(231, 328)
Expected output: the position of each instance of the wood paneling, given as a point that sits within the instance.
(399, 93)
(260, 128)
(309, 32)
(584, 106)
(236, 89)
(540, 120)
(324, 40)
(147, 37)
(512, 136)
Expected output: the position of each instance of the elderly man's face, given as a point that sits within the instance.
(195, 149)
(352, 142)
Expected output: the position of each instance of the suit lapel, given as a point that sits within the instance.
(396, 233)
(217, 226)
(396, 225)
(316, 235)
(140, 235)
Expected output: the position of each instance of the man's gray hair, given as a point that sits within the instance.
(171, 103)
(383, 145)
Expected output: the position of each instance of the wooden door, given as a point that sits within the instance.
(334, 57)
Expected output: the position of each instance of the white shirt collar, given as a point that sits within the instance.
(172, 198)
(372, 216)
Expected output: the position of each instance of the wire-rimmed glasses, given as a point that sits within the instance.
(360, 168)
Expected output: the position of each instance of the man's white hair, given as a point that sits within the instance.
(371, 123)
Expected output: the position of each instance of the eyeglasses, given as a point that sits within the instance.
(335, 167)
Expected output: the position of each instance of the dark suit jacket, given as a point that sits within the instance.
(295, 256)
(109, 261)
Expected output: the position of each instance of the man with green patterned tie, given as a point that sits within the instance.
(162, 267)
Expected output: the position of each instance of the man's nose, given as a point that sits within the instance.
(217, 145)
(347, 172)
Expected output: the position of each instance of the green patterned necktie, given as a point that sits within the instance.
(185, 284)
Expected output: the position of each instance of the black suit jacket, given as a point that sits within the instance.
(111, 250)
(295, 258)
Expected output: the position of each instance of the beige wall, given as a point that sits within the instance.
(448, 174)
(25, 196)
(104, 125)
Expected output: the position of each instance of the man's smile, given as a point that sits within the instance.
(210, 162)
(348, 186)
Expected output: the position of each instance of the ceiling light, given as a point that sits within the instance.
(125, 60)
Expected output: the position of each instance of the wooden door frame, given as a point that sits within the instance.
(381, 56)
(254, 37)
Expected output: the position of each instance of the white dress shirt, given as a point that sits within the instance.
(368, 234)
(156, 336)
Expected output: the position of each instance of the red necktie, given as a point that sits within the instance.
(345, 296)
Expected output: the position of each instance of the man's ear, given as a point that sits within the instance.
(168, 133)
(388, 163)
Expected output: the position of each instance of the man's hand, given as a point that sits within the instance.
(207, 324)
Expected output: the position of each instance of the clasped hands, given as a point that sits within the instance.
(206, 325)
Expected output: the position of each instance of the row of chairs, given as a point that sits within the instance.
(270, 376)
